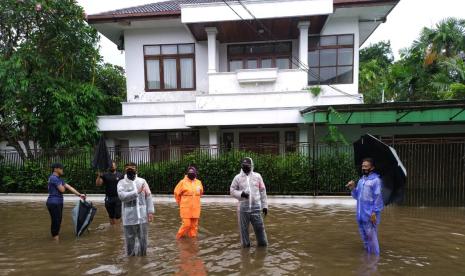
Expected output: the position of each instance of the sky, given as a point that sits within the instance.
(402, 27)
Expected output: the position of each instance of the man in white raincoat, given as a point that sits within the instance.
(248, 187)
(137, 210)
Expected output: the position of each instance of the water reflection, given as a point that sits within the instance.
(189, 261)
(304, 240)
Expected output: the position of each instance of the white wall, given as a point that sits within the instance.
(134, 40)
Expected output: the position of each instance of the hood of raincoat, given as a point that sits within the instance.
(253, 185)
(251, 166)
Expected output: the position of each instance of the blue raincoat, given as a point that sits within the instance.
(369, 200)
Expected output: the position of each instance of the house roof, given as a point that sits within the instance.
(172, 8)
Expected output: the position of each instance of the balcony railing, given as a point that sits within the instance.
(257, 81)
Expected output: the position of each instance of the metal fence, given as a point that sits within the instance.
(436, 168)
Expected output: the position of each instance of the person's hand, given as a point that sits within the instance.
(373, 218)
(351, 185)
(265, 211)
(244, 194)
(150, 217)
(141, 189)
(83, 196)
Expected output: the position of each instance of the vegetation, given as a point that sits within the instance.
(52, 82)
(283, 174)
(433, 68)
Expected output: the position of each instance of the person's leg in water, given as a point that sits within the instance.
(113, 206)
(117, 219)
(194, 227)
(244, 221)
(259, 228)
(130, 238)
(184, 229)
(361, 230)
(56, 214)
(369, 233)
(143, 239)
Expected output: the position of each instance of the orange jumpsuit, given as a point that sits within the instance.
(187, 194)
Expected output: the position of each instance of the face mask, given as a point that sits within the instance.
(131, 174)
(246, 168)
(191, 176)
(112, 170)
(366, 172)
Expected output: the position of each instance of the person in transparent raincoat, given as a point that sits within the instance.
(248, 187)
(137, 210)
(367, 192)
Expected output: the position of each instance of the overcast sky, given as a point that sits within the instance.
(402, 27)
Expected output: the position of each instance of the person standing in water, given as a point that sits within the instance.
(187, 194)
(137, 210)
(112, 202)
(56, 188)
(367, 192)
(248, 187)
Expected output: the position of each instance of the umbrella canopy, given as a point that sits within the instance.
(102, 160)
(387, 164)
(83, 214)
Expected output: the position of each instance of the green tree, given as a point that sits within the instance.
(431, 69)
(48, 63)
(111, 81)
(375, 61)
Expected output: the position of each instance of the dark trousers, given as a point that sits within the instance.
(136, 237)
(56, 214)
(254, 218)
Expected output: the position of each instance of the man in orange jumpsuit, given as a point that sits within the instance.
(187, 194)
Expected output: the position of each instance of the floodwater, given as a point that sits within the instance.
(304, 240)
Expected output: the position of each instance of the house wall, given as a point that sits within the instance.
(135, 39)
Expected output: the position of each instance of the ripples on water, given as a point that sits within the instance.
(304, 240)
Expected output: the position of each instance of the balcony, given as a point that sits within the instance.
(257, 81)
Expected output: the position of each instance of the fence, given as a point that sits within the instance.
(436, 169)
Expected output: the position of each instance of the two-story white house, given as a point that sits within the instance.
(210, 72)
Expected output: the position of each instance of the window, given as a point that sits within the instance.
(331, 59)
(169, 67)
(291, 141)
(259, 55)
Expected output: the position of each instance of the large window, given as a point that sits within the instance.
(169, 67)
(259, 55)
(331, 59)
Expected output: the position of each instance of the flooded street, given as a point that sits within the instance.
(304, 240)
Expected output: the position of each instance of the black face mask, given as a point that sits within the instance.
(191, 176)
(366, 172)
(131, 174)
(246, 168)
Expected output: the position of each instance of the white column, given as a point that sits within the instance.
(211, 36)
(213, 140)
(303, 139)
(303, 44)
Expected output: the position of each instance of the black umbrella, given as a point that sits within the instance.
(102, 160)
(387, 164)
(82, 216)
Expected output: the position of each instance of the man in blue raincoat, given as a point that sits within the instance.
(367, 192)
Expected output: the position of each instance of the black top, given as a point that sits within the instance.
(110, 180)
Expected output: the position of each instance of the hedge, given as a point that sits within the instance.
(292, 173)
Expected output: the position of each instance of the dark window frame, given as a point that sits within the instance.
(327, 47)
(161, 57)
(259, 56)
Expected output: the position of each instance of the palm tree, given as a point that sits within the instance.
(446, 39)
